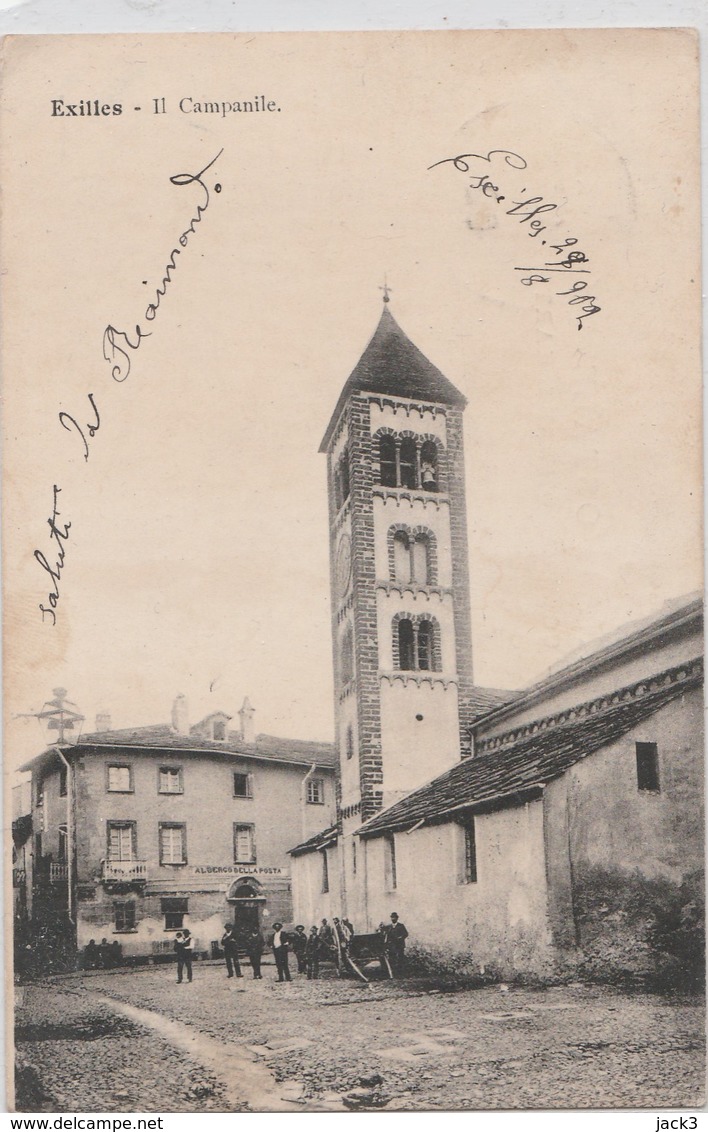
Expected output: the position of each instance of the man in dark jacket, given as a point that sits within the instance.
(280, 953)
(184, 949)
(396, 936)
(298, 942)
(230, 946)
(254, 950)
(312, 953)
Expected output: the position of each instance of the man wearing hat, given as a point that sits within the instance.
(280, 953)
(298, 942)
(230, 946)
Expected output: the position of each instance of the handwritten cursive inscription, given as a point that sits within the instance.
(531, 212)
(68, 422)
(118, 345)
(54, 571)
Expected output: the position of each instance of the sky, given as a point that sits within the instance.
(197, 558)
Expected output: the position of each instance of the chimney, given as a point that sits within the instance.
(103, 721)
(180, 715)
(246, 714)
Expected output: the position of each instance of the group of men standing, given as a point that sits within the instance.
(329, 941)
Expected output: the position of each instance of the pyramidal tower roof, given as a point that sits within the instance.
(392, 364)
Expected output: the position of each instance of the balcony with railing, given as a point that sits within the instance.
(58, 872)
(124, 872)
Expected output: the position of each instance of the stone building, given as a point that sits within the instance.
(139, 832)
(547, 808)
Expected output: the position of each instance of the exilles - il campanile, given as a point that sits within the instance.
(399, 578)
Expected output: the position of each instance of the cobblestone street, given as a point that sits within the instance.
(133, 1040)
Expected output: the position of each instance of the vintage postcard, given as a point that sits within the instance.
(352, 567)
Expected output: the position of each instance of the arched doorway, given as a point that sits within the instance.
(246, 900)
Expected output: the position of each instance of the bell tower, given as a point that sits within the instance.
(399, 577)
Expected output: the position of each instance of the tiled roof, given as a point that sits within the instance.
(677, 619)
(320, 841)
(162, 737)
(392, 364)
(519, 771)
(484, 700)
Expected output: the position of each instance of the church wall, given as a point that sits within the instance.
(617, 855)
(623, 671)
(417, 750)
(499, 922)
(310, 903)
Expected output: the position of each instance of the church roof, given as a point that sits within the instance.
(322, 840)
(392, 364)
(518, 769)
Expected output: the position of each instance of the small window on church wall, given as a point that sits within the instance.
(387, 460)
(390, 862)
(402, 557)
(468, 871)
(425, 646)
(421, 560)
(350, 742)
(406, 654)
(325, 871)
(647, 767)
(429, 466)
(409, 476)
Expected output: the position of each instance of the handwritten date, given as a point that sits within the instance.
(532, 212)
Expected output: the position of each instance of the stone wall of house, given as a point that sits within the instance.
(622, 861)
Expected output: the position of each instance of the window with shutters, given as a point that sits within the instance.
(174, 909)
(173, 843)
(244, 844)
(122, 841)
(315, 791)
(120, 779)
(171, 780)
(124, 916)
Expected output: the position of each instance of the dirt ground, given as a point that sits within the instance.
(134, 1040)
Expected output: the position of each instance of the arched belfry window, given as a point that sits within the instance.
(388, 462)
(425, 646)
(429, 466)
(412, 556)
(406, 645)
(420, 559)
(416, 644)
(408, 476)
(341, 480)
(409, 461)
(402, 556)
